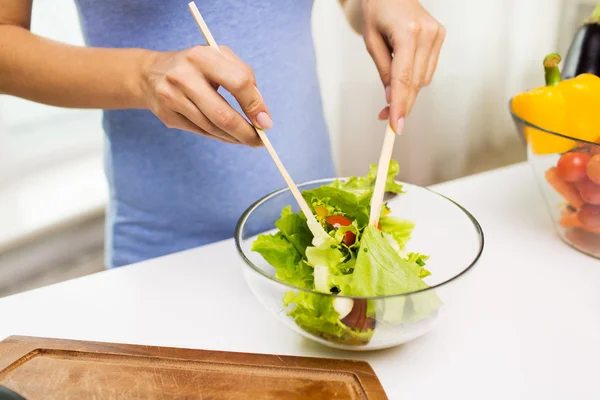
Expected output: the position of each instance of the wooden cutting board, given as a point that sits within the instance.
(41, 368)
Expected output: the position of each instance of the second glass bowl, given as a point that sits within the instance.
(567, 171)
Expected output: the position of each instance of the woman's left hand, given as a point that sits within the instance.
(404, 41)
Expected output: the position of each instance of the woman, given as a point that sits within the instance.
(180, 157)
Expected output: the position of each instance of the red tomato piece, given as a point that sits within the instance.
(590, 192)
(349, 238)
(572, 166)
(590, 216)
(338, 220)
(593, 169)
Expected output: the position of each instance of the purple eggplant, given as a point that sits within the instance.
(584, 52)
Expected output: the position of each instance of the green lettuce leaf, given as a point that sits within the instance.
(390, 184)
(316, 314)
(285, 257)
(379, 270)
(400, 229)
(294, 228)
(420, 260)
(326, 256)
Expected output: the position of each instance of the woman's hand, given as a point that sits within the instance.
(405, 41)
(181, 90)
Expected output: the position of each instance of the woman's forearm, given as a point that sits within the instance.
(57, 74)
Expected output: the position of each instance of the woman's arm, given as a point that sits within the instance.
(57, 74)
(179, 87)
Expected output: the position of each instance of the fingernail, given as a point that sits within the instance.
(264, 121)
(400, 127)
(388, 95)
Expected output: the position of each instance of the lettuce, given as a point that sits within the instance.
(353, 196)
(379, 270)
(283, 255)
(305, 255)
(400, 229)
(294, 228)
(316, 314)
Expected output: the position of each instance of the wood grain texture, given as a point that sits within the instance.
(41, 368)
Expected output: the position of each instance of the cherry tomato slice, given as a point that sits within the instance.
(589, 216)
(590, 192)
(349, 238)
(572, 166)
(338, 220)
(593, 169)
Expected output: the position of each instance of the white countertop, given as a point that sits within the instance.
(527, 326)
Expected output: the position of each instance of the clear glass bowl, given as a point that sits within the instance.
(573, 206)
(444, 230)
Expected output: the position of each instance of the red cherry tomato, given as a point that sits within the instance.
(572, 166)
(593, 169)
(349, 238)
(590, 192)
(339, 220)
(589, 216)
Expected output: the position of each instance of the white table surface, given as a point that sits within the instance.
(526, 327)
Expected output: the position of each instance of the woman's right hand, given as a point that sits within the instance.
(181, 90)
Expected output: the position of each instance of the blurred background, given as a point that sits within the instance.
(53, 191)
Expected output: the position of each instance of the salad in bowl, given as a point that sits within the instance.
(352, 285)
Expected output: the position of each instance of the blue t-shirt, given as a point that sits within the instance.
(171, 190)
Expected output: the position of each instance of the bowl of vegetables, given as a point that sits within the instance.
(561, 129)
(358, 287)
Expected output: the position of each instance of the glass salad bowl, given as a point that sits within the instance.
(567, 171)
(441, 229)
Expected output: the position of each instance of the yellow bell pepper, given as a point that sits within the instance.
(567, 107)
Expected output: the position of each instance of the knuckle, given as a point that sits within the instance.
(195, 53)
(442, 31)
(226, 50)
(414, 27)
(165, 95)
(253, 105)
(211, 128)
(431, 29)
(175, 76)
(384, 73)
(242, 80)
(403, 78)
(250, 73)
(225, 118)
